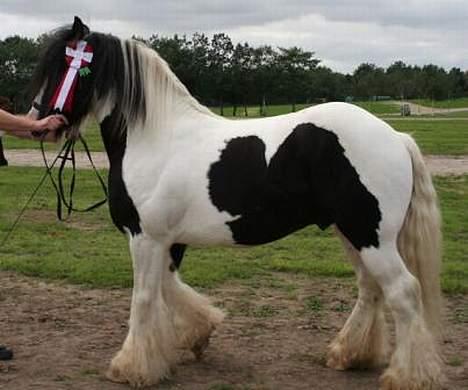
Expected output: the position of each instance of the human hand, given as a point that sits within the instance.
(47, 129)
(45, 135)
(51, 123)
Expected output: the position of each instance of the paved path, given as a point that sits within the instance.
(438, 165)
(417, 109)
(33, 158)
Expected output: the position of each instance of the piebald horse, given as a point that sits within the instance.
(181, 175)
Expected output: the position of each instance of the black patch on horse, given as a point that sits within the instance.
(177, 254)
(122, 209)
(309, 181)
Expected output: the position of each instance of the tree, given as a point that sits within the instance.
(18, 58)
(458, 84)
(326, 85)
(265, 70)
(176, 50)
(368, 81)
(294, 63)
(219, 59)
(198, 65)
(241, 75)
(434, 82)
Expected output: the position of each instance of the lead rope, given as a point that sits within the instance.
(69, 155)
(25, 206)
(67, 148)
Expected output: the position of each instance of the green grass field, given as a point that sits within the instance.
(453, 115)
(449, 103)
(380, 108)
(434, 137)
(89, 250)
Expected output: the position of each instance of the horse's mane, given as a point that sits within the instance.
(142, 84)
(164, 93)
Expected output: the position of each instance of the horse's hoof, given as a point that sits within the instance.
(393, 381)
(114, 375)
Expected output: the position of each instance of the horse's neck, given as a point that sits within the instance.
(114, 137)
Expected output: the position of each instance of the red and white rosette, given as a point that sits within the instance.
(78, 55)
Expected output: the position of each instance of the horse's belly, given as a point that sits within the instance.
(272, 224)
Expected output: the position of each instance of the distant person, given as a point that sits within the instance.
(3, 160)
(5, 104)
(5, 353)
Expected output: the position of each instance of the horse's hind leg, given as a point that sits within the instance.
(415, 363)
(363, 340)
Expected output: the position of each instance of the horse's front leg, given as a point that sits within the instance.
(150, 349)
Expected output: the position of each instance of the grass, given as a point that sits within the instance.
(380, 108)
(455, 361)
(89, 250)
(436, 137)
(313, 304)
(449, 103)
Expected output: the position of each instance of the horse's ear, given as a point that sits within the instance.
(79, 29)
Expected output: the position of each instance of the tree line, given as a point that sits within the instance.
(220, 73)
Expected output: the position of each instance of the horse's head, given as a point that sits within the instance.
(77, 69)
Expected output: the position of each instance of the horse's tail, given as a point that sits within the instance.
(419, 240)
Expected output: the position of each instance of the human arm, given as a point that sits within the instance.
(23, 126)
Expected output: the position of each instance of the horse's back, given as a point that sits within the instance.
(254, 181)
(329, 164)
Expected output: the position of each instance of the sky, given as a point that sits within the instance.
(342, 33)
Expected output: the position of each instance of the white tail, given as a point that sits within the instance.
(419, 241)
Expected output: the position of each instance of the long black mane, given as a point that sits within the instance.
(115, 69)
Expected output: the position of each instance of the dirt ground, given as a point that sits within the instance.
(438, 164)
(274, 337)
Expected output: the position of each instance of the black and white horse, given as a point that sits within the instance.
(180, 175)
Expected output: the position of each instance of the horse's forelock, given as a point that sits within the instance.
(106, 75)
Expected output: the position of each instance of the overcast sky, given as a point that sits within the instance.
(342, 33)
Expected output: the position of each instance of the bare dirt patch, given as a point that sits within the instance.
(447, 165)
(438, 165)
(274, 337)
(47, 215)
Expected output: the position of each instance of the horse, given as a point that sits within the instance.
(181, 175)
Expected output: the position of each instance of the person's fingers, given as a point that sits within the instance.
(54, 123)
(63, 119)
